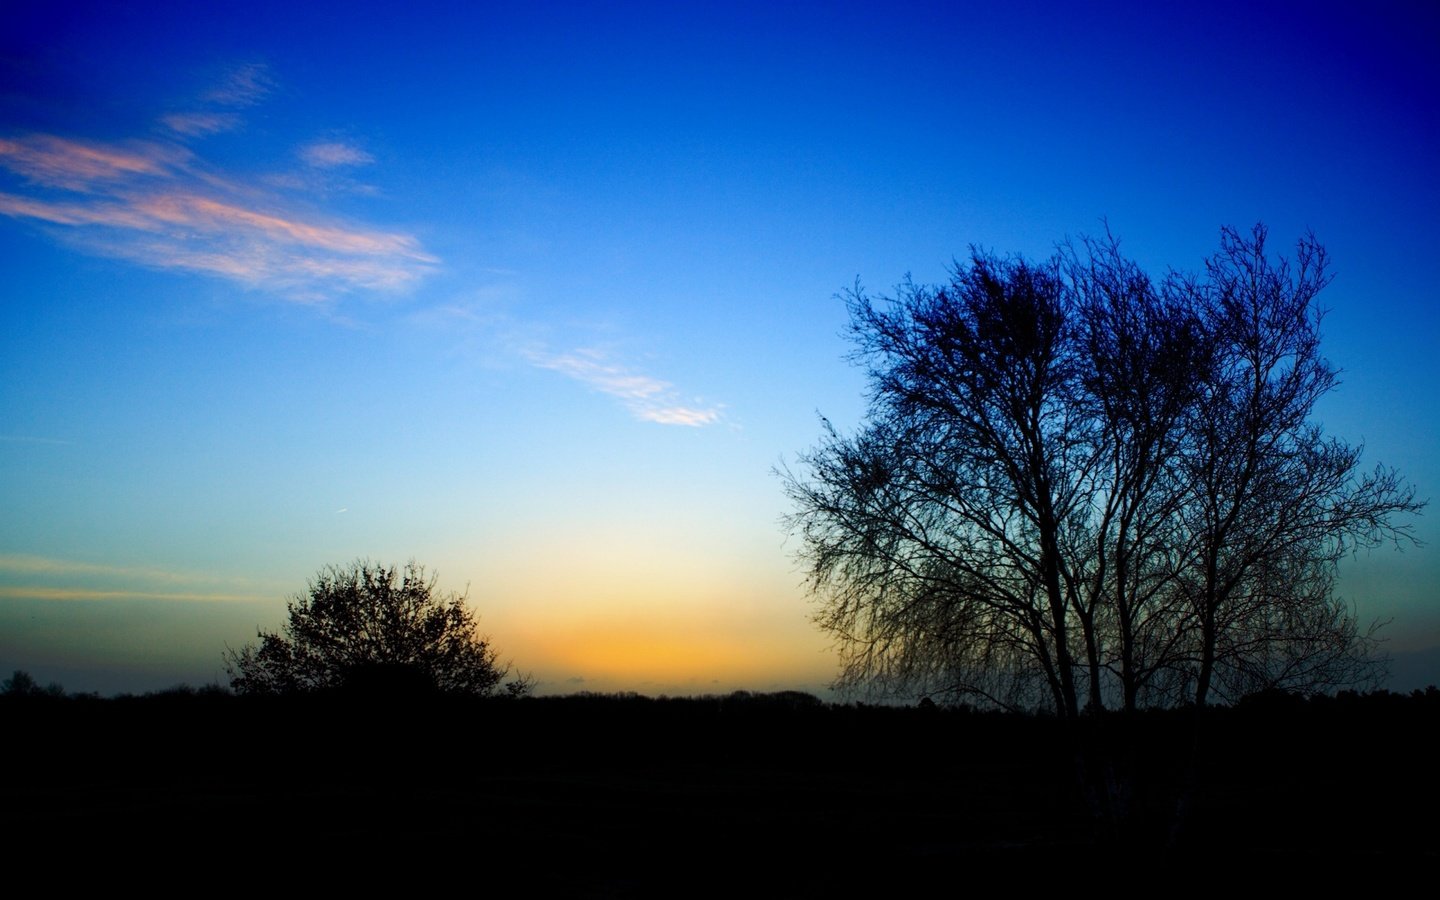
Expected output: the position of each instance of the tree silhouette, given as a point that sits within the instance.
(23, 684)
(369, 628)
(1076, 487)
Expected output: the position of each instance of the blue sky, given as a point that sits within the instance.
(539, 294)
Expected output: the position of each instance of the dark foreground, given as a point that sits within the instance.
(769, 795)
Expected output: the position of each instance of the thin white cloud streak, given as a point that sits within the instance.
(647, 398)
(68, 581)
(333, 154)
(495, 333)
(47, 566)
(150, 203)
(8, 592)
(682, 415)
(589, 367)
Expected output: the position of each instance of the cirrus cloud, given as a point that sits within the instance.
(333, 154)
(242, 85)
(49, 161)
(647, 398)
(26, 577)
(156, 204)
(199, 124)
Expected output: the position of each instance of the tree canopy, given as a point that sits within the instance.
(1077, 487)
(366, 626)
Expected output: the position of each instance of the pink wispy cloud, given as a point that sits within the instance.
(52, 161)
(155, 204)
(649, 399)
(243, 85)
(200, 124)
(333, 154)
(239, 87)
(194, 211)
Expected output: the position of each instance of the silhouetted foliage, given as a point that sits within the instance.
(23, 684)
(1078, 488)
(371, 630)
(19, 684)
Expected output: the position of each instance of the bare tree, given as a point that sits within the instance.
(1077, 488)
(938, 532)
(1275, 504)
(1143, 350)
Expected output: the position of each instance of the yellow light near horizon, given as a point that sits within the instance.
(617, 654)
(626, 654)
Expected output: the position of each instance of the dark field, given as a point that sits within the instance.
(765, 794)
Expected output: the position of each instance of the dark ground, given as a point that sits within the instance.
(772, 795)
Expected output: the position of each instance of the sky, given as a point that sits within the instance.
(540, 295)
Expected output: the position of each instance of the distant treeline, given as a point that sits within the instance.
(790, 729)
(625, 793)
(22, 687)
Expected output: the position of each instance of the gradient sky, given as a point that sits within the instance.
(540, 294)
